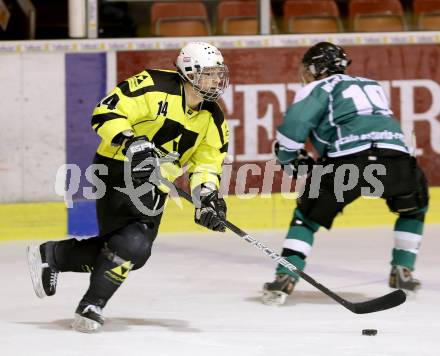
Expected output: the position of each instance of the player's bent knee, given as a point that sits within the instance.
(412, 203)
(409, 204)
(133, 243)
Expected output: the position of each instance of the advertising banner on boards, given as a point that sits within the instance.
(264, 82)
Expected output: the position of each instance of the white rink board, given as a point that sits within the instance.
(33, 125)
(199, 295)
(10, 162)
(44, 120)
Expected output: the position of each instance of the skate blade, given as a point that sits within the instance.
(85, 325)
(276, 298)
(35, 268)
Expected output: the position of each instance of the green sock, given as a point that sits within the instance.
(296, 261)
(299, 238)
(403, 258)
(407, 237)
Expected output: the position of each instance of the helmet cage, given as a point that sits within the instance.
(210, 83)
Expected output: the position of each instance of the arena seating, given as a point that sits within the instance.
(172, 19)
(311, 16)
(376, 16)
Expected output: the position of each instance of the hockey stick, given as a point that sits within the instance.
(387, 301)
(384, 302)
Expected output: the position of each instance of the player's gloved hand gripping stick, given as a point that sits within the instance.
(144, 158)
(295, 163)
(210, 209)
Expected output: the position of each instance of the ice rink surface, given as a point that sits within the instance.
(200, 295)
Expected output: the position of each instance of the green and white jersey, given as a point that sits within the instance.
(342, 115)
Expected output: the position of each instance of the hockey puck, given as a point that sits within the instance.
(369, 332)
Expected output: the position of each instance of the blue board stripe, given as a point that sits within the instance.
(86, 84)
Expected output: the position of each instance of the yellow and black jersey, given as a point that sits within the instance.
(152, 103)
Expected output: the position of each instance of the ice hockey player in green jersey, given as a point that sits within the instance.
(361, 152)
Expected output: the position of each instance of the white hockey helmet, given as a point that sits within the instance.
(201, 64)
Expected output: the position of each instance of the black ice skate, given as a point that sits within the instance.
(401, 277)
(88, 318)
(276, 292)
(43, 276)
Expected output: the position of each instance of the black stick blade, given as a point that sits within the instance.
(387, 301)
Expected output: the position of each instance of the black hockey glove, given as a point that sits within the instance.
(210, 209)
(143, 158)
(292, 167)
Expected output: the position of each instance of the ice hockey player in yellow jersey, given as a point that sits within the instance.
(146, 117)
